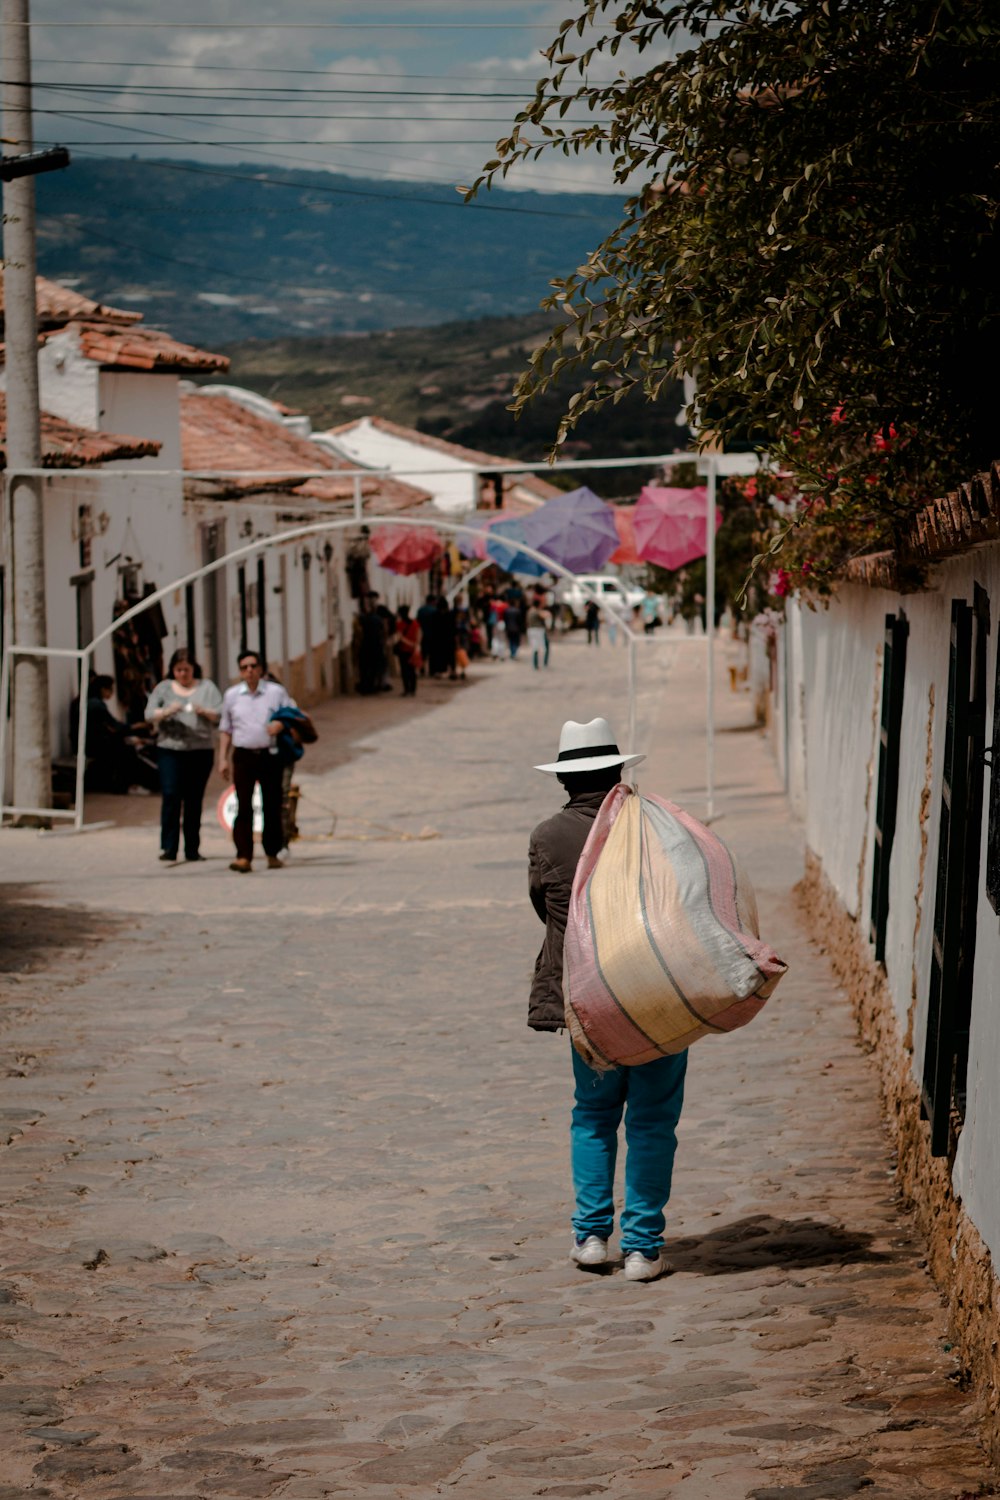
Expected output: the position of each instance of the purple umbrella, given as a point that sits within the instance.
(507, 554)
(577, 530)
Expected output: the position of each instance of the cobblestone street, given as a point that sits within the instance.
(287, 1188)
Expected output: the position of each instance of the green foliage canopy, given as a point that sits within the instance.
(815, 238)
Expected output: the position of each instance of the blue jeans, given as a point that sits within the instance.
(183, 777)
(650, 1096)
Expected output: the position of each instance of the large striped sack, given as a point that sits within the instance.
(662, 944)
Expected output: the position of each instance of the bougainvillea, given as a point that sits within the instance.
(814, 236)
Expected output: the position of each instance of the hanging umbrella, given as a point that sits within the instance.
(670, 525)
(625, 552)
(482, 520)
(406, 549)
(506, 552)
(577, 530)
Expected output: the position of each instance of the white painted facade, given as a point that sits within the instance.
(104, 527)
(830, 685)
(452, 481)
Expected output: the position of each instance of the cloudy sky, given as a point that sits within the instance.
(390, 89)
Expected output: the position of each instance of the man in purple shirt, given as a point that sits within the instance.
(248, 756)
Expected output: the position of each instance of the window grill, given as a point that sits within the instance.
(893, 678)
(954, 940)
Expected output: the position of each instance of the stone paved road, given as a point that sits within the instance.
(286, 1185)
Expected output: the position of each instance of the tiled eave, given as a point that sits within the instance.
(946, 527)
(66, 446)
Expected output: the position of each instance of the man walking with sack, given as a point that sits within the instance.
(248, 754)
(650, 1096)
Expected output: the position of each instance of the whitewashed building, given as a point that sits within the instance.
(126, 521)
(451, 473)
(886, 719)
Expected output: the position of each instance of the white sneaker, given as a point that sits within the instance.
(639, 1268)
(592, 1252)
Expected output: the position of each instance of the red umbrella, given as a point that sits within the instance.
(625, 526)
(670, 525)
(406, 549)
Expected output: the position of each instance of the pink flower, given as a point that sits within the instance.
(837, 415)
(780, 582)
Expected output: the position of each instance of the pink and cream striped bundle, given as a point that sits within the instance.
(662, 944)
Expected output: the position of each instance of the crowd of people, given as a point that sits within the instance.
(445, 635)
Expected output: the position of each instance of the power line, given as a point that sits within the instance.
(241, 92)
(79, 62)
(395, 25)
(269, 140)
(268, 114)
(330, 191)
(328, 146)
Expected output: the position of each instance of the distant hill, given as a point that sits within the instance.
(221, 253)
(455, 381)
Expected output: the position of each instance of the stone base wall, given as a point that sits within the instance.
(958, 1259)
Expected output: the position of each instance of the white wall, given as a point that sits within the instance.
(126, 517)
(838, 676)
(67, 383)
(142, 403)
(455, 489)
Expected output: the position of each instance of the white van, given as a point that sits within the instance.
(621, 596)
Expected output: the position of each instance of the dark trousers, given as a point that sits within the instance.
(183, 777)
(249, 768)
(408, 672)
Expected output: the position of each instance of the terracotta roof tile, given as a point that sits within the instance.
(219, 434)
(524, 481)
(66, 446)
(946, 527)
(58, 305)
(143, 349)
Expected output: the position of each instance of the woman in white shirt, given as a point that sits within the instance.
(185, 709)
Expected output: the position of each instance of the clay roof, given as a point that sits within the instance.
(58, 305)
(952, 524)
(66, 446)
(142, 349)
(524, 481)
(219, 434)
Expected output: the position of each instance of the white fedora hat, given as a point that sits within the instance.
(588, 747)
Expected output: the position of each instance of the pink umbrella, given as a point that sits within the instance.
(670, 525)
(625, 526)
(406, 549)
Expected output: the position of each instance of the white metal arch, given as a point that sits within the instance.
(84, 654)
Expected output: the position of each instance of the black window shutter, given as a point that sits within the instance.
(893, 680)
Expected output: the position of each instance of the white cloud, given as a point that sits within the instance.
(200, 94)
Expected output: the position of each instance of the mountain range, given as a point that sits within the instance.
(220, 253)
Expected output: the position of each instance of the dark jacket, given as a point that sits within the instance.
(553, 855)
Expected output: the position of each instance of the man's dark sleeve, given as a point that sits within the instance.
(536, 888)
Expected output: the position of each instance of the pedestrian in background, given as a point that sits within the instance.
(184, 709)
(407, 649)
(592, 620)
(537, 642)
(588, 767)
(513, 621)
(248, 755)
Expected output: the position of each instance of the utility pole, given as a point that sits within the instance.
(25, 560)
